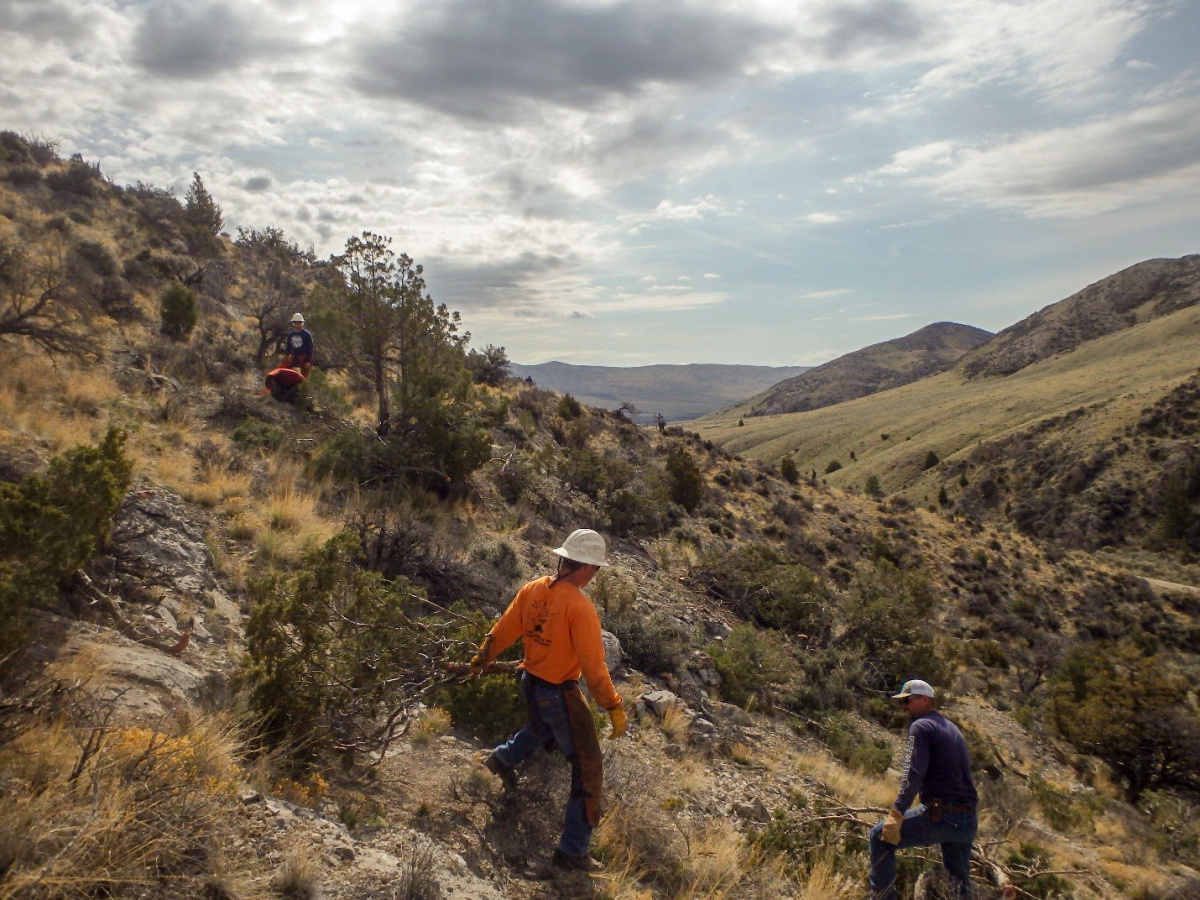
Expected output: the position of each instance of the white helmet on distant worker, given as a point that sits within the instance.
(585, 546)
(298, 317)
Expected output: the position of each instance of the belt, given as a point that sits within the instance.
(946, 807)
(565, 685)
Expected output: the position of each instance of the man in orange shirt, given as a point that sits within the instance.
(561, 633)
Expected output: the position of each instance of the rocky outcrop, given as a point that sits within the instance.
(1157, 287)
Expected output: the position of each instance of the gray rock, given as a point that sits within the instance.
(732, 714)
(658, 702)
(753, 812)
(613, 657)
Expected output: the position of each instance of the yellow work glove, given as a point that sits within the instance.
(891, 828)
(480, 660)
(619, 721)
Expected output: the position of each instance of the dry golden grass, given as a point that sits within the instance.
(824, 882)
(287, 509)
(434, 722)
(114, 811)
(852, 788)
(716, 861)
(64, 404)
(217, 487)
(743, 755)
(676, 725)
(297, 875)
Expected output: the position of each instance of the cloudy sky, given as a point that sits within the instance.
(643, 181)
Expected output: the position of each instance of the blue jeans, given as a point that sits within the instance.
(955, 832)
(552, 712)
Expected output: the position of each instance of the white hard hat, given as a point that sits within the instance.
(298, 318)
(585, 546)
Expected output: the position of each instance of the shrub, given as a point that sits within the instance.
(1145, 730)
(758, 582)
(318, 391)
(589, 472)
(686, 482)
(569, 407)
(77, 178)
(637, 513)
(255, 435)
(655, 644)
(873, 487)
(847, 742)
(881, 605)
(96, 257)
(753, 664)
(489, 708)
(931, 460)
(833, 466)
(179, 311)
(787, 468)
(23, 176)
(51, 525)
(489, 366)
(330, 646)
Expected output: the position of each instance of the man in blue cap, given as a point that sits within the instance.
(938, 767)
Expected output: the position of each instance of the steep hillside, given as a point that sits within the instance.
(1157, 287)
(678, 392)
(1073, 456)
(238, 626)
(878, 367)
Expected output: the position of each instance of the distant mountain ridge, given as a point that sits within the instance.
(1148, 290)
(881, 366)
(679, 392)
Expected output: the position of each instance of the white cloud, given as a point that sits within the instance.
(669, 210)
(1121, 160)
(820, 295)
(823, 218)
(674, 302)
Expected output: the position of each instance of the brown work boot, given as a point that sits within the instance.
(583, 863)
(506, 774)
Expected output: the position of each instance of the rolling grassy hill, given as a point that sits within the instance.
(892, 433)
(879, 367)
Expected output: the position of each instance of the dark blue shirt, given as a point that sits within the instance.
(936, 764)
(300, 343)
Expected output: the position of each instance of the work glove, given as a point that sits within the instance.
(891, 827)
(619, 721)
(480, 660)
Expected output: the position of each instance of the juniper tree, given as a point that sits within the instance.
(387, 331)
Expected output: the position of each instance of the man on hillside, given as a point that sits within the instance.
(298, 346)
(938, 767)
(561, 633)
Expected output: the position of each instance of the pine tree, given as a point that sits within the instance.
(202, 211)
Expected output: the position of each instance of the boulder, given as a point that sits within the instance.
(613, 657)
(658, 702)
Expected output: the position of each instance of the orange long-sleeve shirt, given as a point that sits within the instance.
(561, 631)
